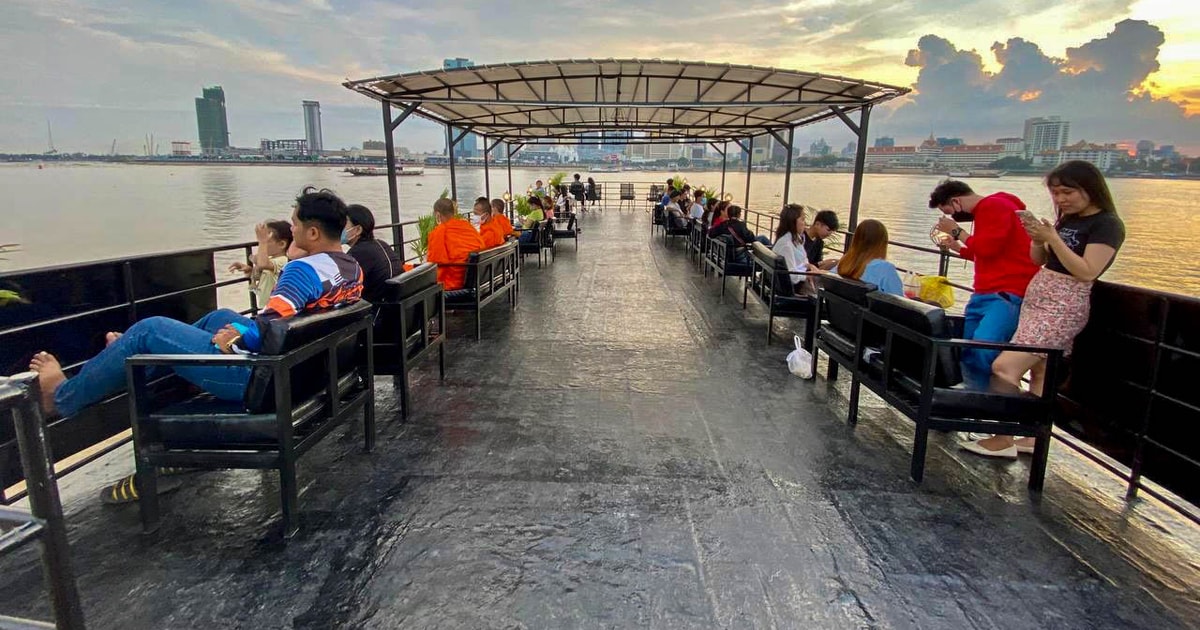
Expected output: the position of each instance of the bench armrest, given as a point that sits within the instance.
(992, 345)
(203, 359)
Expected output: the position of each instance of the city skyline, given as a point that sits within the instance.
(127, 69)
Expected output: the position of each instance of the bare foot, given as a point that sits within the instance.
(111, 337)
(50, 376)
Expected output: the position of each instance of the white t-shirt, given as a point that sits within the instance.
(697, 211)
(792, 253)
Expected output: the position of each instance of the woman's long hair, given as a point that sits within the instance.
(1084, 176)
(870, 241)
(788, 217)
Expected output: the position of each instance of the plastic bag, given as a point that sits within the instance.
(800, 360)
(937, 290)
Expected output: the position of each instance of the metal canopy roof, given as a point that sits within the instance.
(664, 101)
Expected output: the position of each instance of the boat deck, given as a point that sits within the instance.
(623, 451)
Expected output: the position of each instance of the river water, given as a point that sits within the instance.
(77, 212)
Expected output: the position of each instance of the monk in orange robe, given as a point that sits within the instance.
(487, 226)
(504, 226)
(451, 242)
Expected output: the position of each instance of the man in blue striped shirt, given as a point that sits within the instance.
(320, 277)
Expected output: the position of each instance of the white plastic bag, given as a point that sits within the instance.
(800, 360)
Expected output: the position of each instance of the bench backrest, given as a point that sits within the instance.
(774, 272)
(310, 377)
(843, 314)
(657, 216)
(626, 191)
(410, 300)
(907, 357)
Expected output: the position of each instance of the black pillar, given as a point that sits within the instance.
(860, 161)
(487, 180)
(450, 152)
(393, 192)
(724, 162)
(787, 170)
(508, 152)
(749, 168)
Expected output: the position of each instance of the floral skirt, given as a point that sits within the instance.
(1055, 309)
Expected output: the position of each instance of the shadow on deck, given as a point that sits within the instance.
(623, 451)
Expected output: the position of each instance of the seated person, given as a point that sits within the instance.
(322, 278)
(866, 259)
(274, 239)
(672, 212)
(504, 225)
(491, 232)
(697, 206)
(378, 260)
(709, 211)
(451, 241)
(789, 243)
(736, 229)
(720, 215)
(823, 224)
(533, 218)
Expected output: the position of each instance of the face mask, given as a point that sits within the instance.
(345, 236)
(962, 216)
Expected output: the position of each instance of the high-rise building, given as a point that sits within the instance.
(1045, 134)
(885, 141)
(1013, 147)
(1144, 149)
(211, 121)
(468, 147)
(312, 127)
(950, 142)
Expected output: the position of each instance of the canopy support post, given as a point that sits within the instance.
(450, 153)
(787, 170)
(487, 180)
(393, 190)
(749, 168)
(860, 161)
(724, 163)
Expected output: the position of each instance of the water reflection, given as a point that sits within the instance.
(222, 206)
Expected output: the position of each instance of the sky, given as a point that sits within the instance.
(105, 70)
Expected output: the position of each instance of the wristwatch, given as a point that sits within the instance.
(955, 233)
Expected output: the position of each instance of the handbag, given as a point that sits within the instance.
(800, 360)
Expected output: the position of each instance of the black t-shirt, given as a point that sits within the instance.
(1077, 232)
(379, 263)
(814, 249)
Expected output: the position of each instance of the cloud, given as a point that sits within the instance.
(1100, 86)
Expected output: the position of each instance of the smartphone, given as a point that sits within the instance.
(1027, 216)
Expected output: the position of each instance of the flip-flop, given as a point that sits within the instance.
(125, 490)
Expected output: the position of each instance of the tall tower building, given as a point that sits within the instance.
(312, 127)
(469, 145)
(211, 121)
(1045, 134)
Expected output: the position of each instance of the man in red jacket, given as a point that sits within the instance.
(1000, 248)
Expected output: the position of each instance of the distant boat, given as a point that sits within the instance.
(377, 171)
(978, 173)
(604, 169)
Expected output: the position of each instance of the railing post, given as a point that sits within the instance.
(45, 504)
(250, 281)
(944, 263)
(724, 162)
(787, 171)
(487, 180)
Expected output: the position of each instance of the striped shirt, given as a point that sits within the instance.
(313, 283)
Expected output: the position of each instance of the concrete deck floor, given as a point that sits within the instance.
(624, 451)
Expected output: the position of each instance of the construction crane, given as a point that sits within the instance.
(113, 150)
(50, 139)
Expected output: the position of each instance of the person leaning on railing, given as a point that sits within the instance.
(1074, 251)
(866, 259)
(451, 241)
(378, 260)
(1000, 249)
(320, 278)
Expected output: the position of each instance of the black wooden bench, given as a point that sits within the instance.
(697, 242)
(657, 219)
(66, 310)
(543, 239)
(908, 353)
(773, 283)
(722, 259)
(571, 231)
(491, 274)
(410, 324)
(672, 229)
(314, 372)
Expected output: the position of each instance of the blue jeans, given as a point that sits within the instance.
(526, 236)
(104, 374)
(743, 256)
(988, 317)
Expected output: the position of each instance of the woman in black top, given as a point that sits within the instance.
(1074, 252)
(377, 259)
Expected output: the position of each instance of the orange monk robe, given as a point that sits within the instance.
(451, 242)
(505, 226)
(492, 233)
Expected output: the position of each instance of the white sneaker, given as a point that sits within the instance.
(978, 449)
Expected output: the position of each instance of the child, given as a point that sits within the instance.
(274, 240)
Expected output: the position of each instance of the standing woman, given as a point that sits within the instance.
(591, 191)
(1074, 252)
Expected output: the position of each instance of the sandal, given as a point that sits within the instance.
(125, 490)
